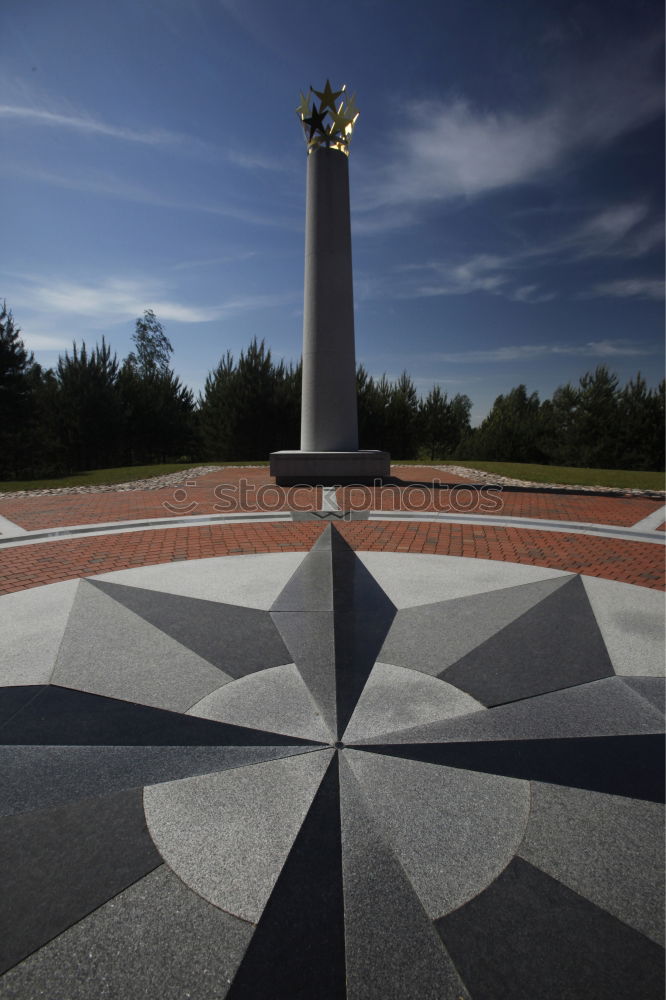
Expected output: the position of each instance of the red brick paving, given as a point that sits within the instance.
(220, 492)
(621, 511)
(32, 565)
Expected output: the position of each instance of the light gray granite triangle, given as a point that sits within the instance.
(250, 581)
(453, 831)
(607, 848)
(410, 579)
(631, 620)
(311, 586)
(227, 835)
(156, 940)
(600, 708)
(310, 639)
(109, 650)
(32, 624)
(276, 700)
(236, 640)
(653, 689)
(391, 947)
(395, 698)
(40, 777)
(431, 637)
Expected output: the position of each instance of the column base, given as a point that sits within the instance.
(329, 468)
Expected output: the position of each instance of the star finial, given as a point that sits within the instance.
(327, 125)
(327, 96)
(303, 108)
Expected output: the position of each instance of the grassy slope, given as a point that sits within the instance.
(571, 476)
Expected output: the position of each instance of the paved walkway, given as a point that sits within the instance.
(585, 534)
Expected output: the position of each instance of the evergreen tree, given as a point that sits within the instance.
(510, 432)
(443, 422)
(16, 367)
(158, 408)
(217, 411)
(89, 408)
(402, 418)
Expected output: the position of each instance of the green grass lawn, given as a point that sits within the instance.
(107, 477)
(571, 476)
(619, 478)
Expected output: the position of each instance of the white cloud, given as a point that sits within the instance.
(637, 288)
(447, 148)
(616, 231)
(118, 299)
(44, 342)
(531, 352)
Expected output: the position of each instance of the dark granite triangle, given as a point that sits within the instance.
(297, 951)
(333, 617)
(392, 948)
(157, 940)
(432, 637)
(13, 699)
(81, 772)
(632, 766)
(60, 864)
(359, 635)
(64, 717)
(234, 639)
(556, 644)
(529, 936)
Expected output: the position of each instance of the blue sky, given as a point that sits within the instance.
(506, 175)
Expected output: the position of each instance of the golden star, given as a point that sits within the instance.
(341, 121)
(303, 108)
(351, 110)
(328, 97)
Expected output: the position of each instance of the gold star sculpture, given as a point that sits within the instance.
(328, 97)
(327, 125)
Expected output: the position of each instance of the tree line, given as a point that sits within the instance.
(93, 411)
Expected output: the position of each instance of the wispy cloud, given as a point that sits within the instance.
(634, 288)
(44, 342)
(618, 231)
(118, 299)
(232, 258)
(254, 161)
(445, 149)
(531, 352)
(88, 124)
(111, 186)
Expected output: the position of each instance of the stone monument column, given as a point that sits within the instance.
(329, 421)
(328, 416)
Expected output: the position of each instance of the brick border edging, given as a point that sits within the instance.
(635, 562)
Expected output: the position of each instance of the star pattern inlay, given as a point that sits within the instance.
(338, 792)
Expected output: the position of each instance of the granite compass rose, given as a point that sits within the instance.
(332, 775)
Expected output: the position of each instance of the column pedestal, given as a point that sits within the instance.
(329, 468)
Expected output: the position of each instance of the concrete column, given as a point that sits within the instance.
(329, 420)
